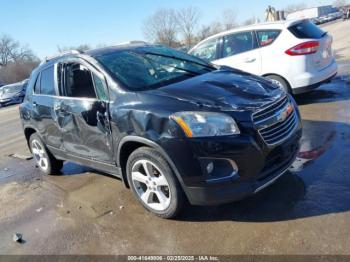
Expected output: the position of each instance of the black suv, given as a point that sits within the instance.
(170, 125)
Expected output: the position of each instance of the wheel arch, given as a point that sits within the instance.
(28, 131)
(286, 80)
(129, 144)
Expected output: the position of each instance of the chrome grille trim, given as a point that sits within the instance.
(277, 131)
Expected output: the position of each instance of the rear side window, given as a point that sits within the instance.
(47, 83)
(267, 37)
(306, 29)
(207, 50)
(238, 43)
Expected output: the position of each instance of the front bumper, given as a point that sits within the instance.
(258, 165)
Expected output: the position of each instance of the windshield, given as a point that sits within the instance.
(11, 89)
(152, 67)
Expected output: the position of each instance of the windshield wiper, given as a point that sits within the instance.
(182, 59)
(324, 33)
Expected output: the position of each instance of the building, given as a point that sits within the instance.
(312, 12)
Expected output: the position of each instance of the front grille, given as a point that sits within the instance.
(272, 128)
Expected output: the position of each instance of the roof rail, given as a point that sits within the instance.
(48, 58)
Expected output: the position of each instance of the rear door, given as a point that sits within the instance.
(83, 111)
(240, 50)
(307, 31)
(42, 101)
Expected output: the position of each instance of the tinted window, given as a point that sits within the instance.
(238, 43)
(47, 83)
(78, 82)
(306, 29)
(100, 88)
(207, 50)
(267, 37)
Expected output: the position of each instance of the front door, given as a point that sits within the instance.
(83, 110)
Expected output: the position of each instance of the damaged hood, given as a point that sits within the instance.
(224, 90)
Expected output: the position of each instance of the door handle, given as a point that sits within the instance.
(35, 104)
(249, 60)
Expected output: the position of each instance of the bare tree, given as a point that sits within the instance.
(203, 32)
(295, 7)
(209, 30)
(229, 19)
(17, 71)
(162, 27)
(187, 19)
(251, 21)
(12, 51)
(82, 48)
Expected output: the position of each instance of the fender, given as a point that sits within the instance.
(152, 144)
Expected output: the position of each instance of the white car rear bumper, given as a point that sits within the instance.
(310, 80)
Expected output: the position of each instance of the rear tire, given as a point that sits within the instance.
(280, 82)
(153, 183)
(45, 161)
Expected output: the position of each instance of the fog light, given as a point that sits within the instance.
(210, 167)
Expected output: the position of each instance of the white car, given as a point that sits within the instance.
(297, 55)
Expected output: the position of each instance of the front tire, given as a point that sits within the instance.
(153, 183)
(46, 162)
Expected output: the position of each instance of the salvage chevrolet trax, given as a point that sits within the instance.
(173, 127)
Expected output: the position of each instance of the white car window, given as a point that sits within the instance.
(238, 43)
(267, 37)
(207, 50)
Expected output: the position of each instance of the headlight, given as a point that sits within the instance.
(204, 124)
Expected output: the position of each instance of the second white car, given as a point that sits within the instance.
(297, 55)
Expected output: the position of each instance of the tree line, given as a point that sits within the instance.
(16, 60)
(182, 27)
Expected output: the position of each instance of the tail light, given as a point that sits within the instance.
(304, 48)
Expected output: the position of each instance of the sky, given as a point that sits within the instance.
(45, 24)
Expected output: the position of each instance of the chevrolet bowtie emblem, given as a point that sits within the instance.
(285, 113)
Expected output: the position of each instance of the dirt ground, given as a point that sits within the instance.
(85, 212)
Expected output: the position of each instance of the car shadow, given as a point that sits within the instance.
(337, 90)
(319, 187)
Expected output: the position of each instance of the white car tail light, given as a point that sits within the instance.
(306, 48)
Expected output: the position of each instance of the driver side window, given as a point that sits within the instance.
(78, 81)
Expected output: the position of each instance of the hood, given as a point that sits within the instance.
(224, 90)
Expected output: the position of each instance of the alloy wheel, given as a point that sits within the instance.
(151, 185)
(40, 155)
